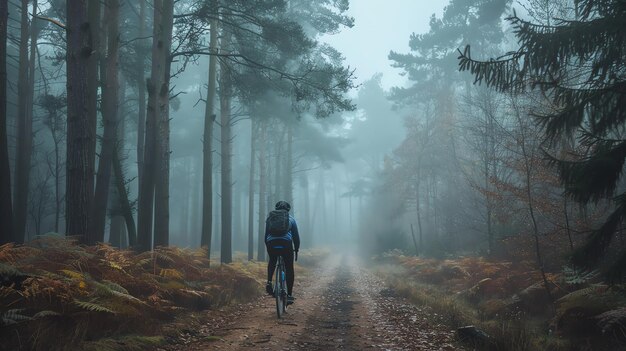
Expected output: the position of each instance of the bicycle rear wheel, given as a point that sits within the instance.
(278, 290)
(283, 284)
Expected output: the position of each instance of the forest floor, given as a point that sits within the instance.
(339, 306)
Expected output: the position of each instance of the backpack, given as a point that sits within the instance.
(278, 222)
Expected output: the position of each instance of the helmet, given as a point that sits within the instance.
(283, 205)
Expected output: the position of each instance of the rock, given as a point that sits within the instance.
(472, 335)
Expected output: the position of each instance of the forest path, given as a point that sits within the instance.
(340, 307)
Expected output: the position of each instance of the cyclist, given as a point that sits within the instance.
(281, 239)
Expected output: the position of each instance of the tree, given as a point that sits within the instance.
(109, 114)
(431, 66)
(207, 151)
(53, 105)
(6, 207)
(156, 127)
(80, 131)
(577, 65)
(226, 95)
(24, 148)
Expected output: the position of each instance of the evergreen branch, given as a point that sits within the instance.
(606, 106)
(595, 177)
(616, 273)
(599, 240)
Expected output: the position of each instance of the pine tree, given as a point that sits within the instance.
(578, 65)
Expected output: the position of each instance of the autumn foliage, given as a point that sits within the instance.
(499, 294)
(54, 292)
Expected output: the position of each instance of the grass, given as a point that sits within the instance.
(445, 286)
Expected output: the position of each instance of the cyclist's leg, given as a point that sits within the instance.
(271, 264)
(289, 272)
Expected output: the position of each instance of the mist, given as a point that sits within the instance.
(454, 162)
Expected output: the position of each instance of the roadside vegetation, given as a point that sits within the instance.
(508, 302)
(58, 295)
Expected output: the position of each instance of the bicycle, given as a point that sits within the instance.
(280, 288)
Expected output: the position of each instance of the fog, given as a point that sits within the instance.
(420, 134)
(455, 169)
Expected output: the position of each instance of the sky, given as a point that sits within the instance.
(382, 26)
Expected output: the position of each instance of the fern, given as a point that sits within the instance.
(115, 265)
(144, 261)
(591, 301)
(574, 276)
(10, 253)
(92, 307)
(171, 273)
(73, 274)
(115, 287)
(107, 288)
(9, 271)
(44, 314)
(13, 316)
(613, 320)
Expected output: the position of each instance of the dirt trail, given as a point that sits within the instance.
(341, 307)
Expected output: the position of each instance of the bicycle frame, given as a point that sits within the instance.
(280, 287)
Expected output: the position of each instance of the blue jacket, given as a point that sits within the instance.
(292, 235)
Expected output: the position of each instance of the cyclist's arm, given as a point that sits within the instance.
(295, 235)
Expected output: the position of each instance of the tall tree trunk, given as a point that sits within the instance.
(117, 231)
(146, 190)
(307, 205)
(262, 195)
(207, 146)
(24, 147)
(80, 129)
(162, 182)
(289, 164)
(184, 215)
(6, 207)
(528, 171)
(226, 253)
(110, 117)
(196, 205)
(253, 137)
(279, 185)
(57, 178)
(418, 212)
(124, 201)
(141, 91)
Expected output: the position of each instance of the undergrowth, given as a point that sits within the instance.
(510, 303)
(57, 295)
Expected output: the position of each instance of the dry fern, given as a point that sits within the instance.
(13, 316)
(92, 307)
(44, 314)
(171, 273)
(614, 320)
(10, 253)
(73, 274)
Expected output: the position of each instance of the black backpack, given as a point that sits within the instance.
(278, 222)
